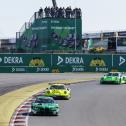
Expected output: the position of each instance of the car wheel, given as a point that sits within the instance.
(32, 114)
(101, 82)
(55, 113)
(67, 98)
(120, 82)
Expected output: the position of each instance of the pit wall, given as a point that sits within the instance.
(60, 63)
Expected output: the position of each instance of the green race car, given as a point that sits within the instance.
(58, 91)
(113, 78)
(44, 105)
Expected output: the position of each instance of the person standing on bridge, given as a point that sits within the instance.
(40, 13)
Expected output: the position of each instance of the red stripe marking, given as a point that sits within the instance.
(19, 116)
(25, 107)
(23, 110)
(23, 117)
(27, 103)
(19, 121)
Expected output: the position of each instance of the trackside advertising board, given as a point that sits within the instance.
(83, 63)
(119, 62)
(25, 63)
(59, 63)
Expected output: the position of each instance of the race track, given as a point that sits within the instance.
(91, 104)
(9, 82)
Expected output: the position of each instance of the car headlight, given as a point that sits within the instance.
(65, 92)
(33, 107)
(54, 108)
(48, 92)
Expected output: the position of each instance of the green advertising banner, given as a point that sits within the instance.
(63, 33)
(51, 34)
(119, 62)
(82, 63)
(25, 60)
(72, 62)
(99, 63)
(60, 63)
(25, 69)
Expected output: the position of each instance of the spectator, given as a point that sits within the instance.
(52, 12)
(67, 12)
(40, 13)
(75, 13)
(60, 12)
(47, 11)
(78, 13)
(63, 12)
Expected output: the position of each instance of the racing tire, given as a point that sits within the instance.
(55, 114)
(67, 98)
(119, 81)
(101, 82)
(32, 114)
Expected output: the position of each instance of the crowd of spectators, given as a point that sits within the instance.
(51, 12)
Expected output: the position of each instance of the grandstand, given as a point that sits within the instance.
(51, 29)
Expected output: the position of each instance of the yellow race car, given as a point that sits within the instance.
(58, 91)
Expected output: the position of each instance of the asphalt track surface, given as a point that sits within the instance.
(91, 104)
(10, 82)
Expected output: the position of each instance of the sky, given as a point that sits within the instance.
(97, 15)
